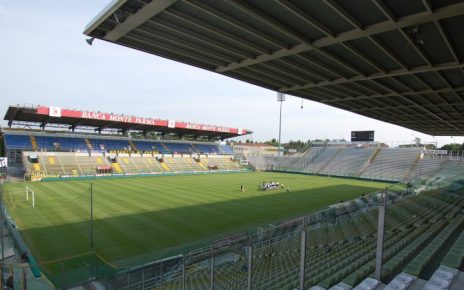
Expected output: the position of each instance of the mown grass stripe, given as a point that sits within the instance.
(134, 216)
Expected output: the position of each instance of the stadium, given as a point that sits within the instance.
(99, 200)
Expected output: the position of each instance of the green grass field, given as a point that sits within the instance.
(141, 215)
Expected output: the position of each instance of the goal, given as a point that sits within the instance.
(30, 192)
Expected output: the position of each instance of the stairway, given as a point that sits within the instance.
(117, 167)
(440, 168)
(202, 165)
(369, 161)
(165, 167)
(329, 161)
(318, 153)
(412, 168)
(89, 144)
(165, 147)
(36, 166)
(134, 147)
(34, 143)
(195, 149)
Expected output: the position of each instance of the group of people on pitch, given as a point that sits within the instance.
(271, 185)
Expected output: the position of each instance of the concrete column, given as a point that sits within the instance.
(302, 259)
(250, 260)
(380, 235)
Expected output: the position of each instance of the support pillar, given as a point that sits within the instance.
(380, 236)
(212, 269)
(302, 259)
(250, 261)
(183, 273)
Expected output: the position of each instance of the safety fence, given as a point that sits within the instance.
(77, 269)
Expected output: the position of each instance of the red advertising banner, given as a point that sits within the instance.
(55, 111)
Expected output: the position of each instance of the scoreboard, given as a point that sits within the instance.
(362, 136)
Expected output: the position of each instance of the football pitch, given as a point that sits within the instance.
(139, 215)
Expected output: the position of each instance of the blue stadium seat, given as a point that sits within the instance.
(226, 149)
(145, 146)
(108, 144)
(61, 143)
(208, 148)
(179, 147)
(17, 142)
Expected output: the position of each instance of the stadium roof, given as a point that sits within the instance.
(395, 61)
(43, 116)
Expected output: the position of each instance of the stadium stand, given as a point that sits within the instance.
(71, 155)
(51, 142)
(17, 142)
(108, 144)
(342, 254)
(348, 161)
(421, 230)
(392, 163)
(55, 143)
(71, 164)
(428, 167)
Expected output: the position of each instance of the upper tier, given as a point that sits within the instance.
(50, 142)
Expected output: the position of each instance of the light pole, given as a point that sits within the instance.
(281, 99)
(91, 215)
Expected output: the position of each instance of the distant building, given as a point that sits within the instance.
(254, 149)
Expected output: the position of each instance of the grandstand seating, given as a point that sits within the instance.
(343, 253)
(347, 161)
(61, 143)
(396, 164)
(451, 170)
(226, 150)
(148, 146)
(17, 142)
(428, 167)
(55, 142)
(321, 160)
(179, 147)
(207, 149)
(54, 164)
(110, 144)
(392, 163)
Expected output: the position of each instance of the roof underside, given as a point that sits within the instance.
(395, 61)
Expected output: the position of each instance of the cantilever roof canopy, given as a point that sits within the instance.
(44, 115)
(395, 61)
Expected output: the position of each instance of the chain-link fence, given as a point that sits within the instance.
(74, 270)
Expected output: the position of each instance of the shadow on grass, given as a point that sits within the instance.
(178, 230)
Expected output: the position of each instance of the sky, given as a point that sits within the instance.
(44, 60)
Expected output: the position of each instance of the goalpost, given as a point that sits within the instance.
(29, 190)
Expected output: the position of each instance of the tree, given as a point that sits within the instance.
(430, 146)
(453, 147)
(272, 142)
(417, 141)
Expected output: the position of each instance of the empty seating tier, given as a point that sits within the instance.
(66, 164)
